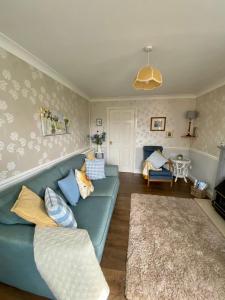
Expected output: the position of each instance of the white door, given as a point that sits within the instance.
(121, 124)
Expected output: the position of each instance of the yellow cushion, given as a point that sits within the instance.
(90, 155)
(31, 207)
(85, 185)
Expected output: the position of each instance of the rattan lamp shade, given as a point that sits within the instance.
(147, 78)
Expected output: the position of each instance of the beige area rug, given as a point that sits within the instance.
(174, 252)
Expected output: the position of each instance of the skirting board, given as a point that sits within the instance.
(29, 173)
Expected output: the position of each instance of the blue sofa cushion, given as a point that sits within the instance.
(69, 187)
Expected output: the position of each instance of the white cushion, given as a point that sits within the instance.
(157, 159)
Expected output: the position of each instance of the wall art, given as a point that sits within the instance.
(53, 123)
(158, 124)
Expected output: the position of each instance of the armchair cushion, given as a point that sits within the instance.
(157, 159)
(164, 173)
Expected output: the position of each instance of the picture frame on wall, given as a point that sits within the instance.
(158, 124)
(98, 122)
(53, 123)
(169, 134)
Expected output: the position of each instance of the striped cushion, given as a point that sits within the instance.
(58, 210)
(95, 169)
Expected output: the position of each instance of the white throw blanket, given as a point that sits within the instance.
(66, 261)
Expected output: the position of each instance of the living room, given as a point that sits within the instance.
(114, 114)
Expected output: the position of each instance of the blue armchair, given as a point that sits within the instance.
(166, 175)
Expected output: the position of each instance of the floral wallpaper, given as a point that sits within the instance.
(211, 121)
(23, 91)
(173, 109)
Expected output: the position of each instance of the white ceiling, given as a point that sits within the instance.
(98, 44)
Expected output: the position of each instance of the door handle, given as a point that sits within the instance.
(110, 142)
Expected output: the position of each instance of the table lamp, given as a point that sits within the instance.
(190, 115)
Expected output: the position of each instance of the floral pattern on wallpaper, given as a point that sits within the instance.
(23, 91)
(173, 109)
(211, 121)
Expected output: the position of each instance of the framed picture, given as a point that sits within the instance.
(98, 122)
(53, 123)
(158, 124)
(169, 134)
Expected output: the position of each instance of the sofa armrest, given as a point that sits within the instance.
(111, 170)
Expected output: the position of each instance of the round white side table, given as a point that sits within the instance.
(181, 168)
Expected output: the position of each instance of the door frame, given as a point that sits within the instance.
(134, 133)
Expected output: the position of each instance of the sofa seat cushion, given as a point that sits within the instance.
(105, 187)
(163, 173)
(93, 214)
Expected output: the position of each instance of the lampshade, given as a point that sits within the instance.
(191, 114)
(147, 78)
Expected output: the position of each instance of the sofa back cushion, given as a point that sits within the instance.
(74, 162)
(38, 184)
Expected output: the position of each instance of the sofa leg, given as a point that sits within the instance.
(148, 182)
(171, 184)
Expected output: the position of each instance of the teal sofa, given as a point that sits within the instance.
(17, 266)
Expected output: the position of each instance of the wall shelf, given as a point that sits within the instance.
(188, 136)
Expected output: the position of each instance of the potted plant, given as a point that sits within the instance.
(98, 139)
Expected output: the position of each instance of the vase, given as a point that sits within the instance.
(99, 149)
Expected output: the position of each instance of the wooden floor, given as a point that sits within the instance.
(114, 257)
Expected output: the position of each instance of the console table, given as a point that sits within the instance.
(181, 168)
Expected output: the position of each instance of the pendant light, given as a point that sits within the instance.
(147, 77)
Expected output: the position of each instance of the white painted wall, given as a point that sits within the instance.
(204, 151)
(204, 167)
